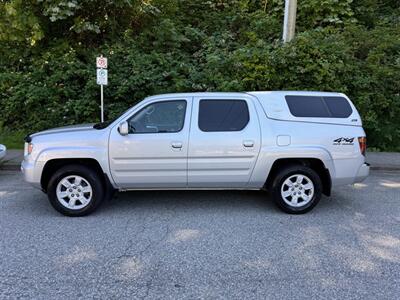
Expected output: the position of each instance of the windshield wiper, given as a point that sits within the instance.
(102, 125)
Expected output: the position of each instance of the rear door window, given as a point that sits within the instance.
(318, 107)
(223, 115)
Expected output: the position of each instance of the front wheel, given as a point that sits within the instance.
(75, 190)
(297, 189)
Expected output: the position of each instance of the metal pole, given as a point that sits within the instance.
(102, 104)
(289, 22)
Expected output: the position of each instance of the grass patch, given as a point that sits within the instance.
(12, 139)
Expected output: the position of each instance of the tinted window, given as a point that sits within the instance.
(223, 115)
(318, 107)
(305, 106)
(159, 117)
(338, 106)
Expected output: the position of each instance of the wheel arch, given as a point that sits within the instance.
(53, 165)
(314, 163)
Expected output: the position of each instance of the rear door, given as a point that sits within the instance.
(224, 142)
(154, 153)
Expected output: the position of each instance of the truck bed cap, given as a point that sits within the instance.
(276, 107)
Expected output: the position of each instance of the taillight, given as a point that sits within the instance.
(362, 140)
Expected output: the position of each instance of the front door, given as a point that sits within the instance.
(224, 142)
(154, 153)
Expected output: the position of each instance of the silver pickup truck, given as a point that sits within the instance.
(297, 145)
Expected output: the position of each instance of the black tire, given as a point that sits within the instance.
(91, 176)
(286, 173)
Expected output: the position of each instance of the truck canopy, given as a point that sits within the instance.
(316, 107)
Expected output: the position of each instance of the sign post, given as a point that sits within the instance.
(102, 103)
(102, 79)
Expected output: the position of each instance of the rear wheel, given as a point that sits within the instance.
(75, 190)
(297, 189)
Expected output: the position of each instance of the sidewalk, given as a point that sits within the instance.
(388, 161)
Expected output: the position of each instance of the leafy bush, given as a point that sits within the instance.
(47, 72)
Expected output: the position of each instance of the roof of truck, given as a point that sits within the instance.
(232, 94)
(299, 93)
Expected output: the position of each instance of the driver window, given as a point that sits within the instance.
(159, 117)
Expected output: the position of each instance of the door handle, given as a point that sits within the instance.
(248, 143)
(176, 145)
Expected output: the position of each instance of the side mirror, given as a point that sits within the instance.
(123, 128)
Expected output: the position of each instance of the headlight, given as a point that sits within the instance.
(28, 148)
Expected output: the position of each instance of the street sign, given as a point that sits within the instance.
(101, 62)
(102, 77)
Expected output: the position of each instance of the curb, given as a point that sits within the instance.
(384, 168)
(10, 168)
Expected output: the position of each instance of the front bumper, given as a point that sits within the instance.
(362, 173)
(32, 172)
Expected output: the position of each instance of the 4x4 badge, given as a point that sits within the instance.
(344, 141)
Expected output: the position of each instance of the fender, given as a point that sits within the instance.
(268, 155)
(96, 153)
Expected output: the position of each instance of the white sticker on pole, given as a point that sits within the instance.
(102, 77)
(101, 62)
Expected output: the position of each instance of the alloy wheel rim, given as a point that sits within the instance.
(74, 192)
(297, 190)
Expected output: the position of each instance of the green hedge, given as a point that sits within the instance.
(222, 48)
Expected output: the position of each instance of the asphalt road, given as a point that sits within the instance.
(202, 245)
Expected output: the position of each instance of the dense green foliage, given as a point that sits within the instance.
(48, 50)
